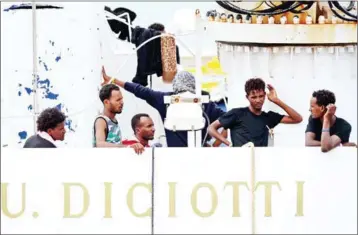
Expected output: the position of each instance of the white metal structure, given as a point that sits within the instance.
(289, 68)
(181, 116)
(296, 59)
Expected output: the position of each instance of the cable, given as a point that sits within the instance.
(208, 120)
(345, 11)
(231, 7)
(270, 4)
(338, 15)
(273, 10)
(292, 7)
(118, 71)
(333, 4)
(258, 6)
(351, 5)
(309, 5)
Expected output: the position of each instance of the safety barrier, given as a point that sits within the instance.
(179, 190)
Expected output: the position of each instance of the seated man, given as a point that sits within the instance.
(51, 127)
(324, 128)
(107, 133)
(252, 124)
(143, 128)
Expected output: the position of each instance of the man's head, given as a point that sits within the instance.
(319, 101)
(143, 126)
(255, 92)
(52, 121)
(184, 81)
(111, 97)
(157, 26)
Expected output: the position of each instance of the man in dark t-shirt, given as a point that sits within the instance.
(324, 128)
(251, 124)
(50, 127)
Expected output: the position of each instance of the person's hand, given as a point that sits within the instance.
(228, 143)
(106, 78)
(138, 148)
(349, 144)
(272, 95)
(331, 110)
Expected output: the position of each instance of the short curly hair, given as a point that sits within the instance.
(49, 119)
(106, 91)
(254, 84)
(324, 97)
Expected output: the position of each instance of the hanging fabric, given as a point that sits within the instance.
(169, 58)
(149, 56)
(159, 56)
(119, 27)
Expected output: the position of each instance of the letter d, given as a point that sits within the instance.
(67, 200)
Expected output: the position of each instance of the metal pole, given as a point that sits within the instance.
(34, 61)
(198, 74)
(198, 54)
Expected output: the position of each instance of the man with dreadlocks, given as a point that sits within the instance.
(251, 124)
(182, 82)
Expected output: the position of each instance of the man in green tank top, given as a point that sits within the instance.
(106, 131)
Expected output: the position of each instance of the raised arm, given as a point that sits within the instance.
(152, 97)
(293, 116)
(329, 142)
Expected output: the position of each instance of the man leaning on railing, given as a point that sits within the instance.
(324, 128)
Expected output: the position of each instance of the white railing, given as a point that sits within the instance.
(179, 190)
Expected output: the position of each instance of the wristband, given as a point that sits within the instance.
(325, 129)
(112, 81)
